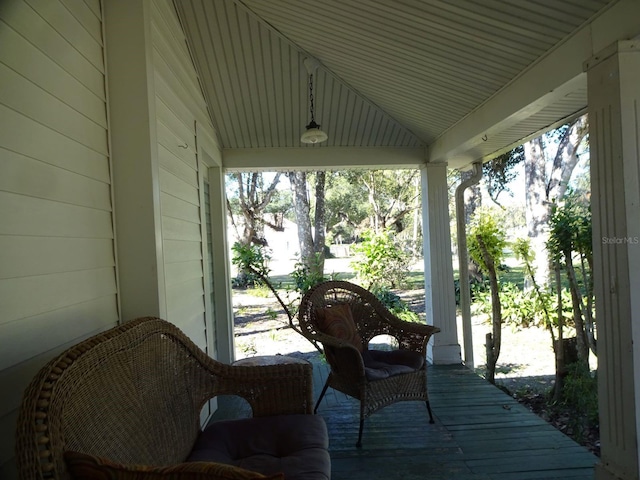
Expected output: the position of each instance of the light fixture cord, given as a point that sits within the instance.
(311, 97)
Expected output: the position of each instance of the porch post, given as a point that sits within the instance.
(614, 132)
(440, 304)
(134, 158)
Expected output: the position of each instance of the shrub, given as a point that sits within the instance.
(247, 258)
(394, 303)
(580, 395)
(305, 277)
(380, 262)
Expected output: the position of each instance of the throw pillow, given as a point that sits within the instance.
(87, 467)
(337, 321)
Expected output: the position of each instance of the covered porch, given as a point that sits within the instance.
(120, 118)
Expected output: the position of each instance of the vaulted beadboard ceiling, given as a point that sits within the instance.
(393, 73)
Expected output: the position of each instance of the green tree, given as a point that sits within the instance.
(542, 308)
(248, 195)
(311, 229)
(346, 207)
(570, 237)
(549, 163)
(500, 171)
(487, 241)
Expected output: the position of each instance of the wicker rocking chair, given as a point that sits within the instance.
(344, 317)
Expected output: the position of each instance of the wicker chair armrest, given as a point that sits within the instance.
(269, 389)
(410, 335)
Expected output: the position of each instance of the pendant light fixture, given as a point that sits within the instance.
(313, 133)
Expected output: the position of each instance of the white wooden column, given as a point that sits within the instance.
(134, 156)
(614, 133)
(440, 303)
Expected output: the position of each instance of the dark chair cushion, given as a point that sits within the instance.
(87, 467)
(379, 364)
(296, 445)
(337, 321)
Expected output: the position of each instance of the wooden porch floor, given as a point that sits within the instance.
(480, 433)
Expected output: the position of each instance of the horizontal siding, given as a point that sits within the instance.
(181, 251)
(35, 295)
(178, 188)
(179, 104)
(30, 62)
(17, 133)
(51, 255)
(71, 322)
(28, 22)
(39, 105)
(176, 208)
(24, 215)
(48, 182)
(57, 281)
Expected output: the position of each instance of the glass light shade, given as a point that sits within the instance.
(313, 135)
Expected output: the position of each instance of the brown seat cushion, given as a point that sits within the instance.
(87, 467)
(337, 321)
(379, 364)
(296, 445)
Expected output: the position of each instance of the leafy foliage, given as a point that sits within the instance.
(580, 394)
(485, 225)
(346, 207)
(306, 277)
(380, 260)
(570, 229)
(523, 308)
(500, 171)
(252, 261)
(570, 236)
(395, 304)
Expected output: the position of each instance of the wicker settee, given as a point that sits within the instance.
(133, 395)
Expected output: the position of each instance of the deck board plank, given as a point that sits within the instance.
(480, 433)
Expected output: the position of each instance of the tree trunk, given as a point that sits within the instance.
(303, 217)
(494, 341)
(576, 301)
(543, 190)
(311, 249)
(472, 197)
(566, 158)
(589, 321)
(253, 200)
(558, 347)
(319, 225)
(538, 211)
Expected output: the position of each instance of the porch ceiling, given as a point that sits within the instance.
(410, 74)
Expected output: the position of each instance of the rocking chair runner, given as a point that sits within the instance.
(344, 317)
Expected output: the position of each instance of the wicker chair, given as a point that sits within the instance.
(134, 395)
(350, 372)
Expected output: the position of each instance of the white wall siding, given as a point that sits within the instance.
(57, 262)
(179, 105)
